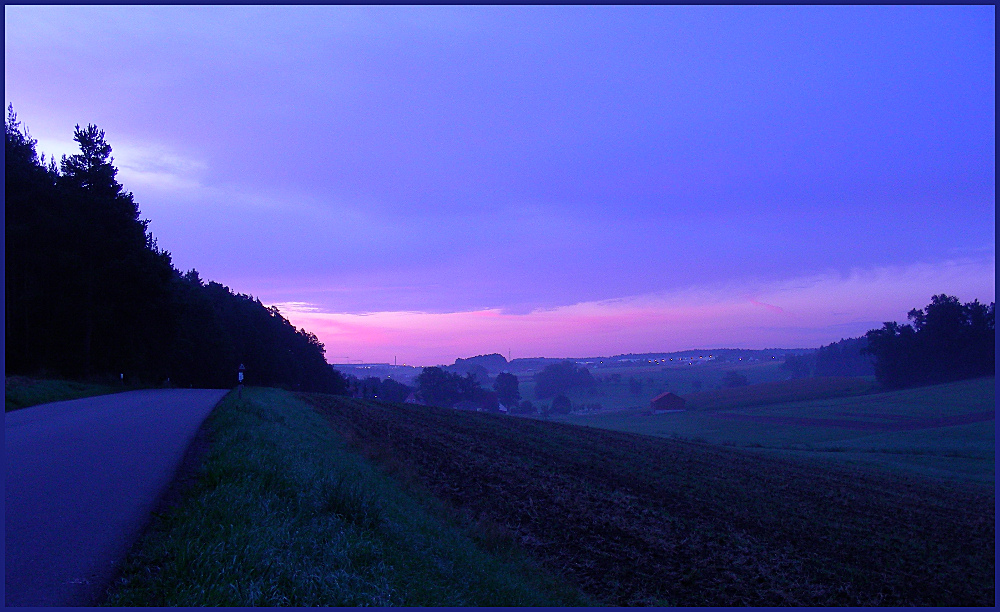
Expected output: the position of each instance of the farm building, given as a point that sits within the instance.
(666, 401)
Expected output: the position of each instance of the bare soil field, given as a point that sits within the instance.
(640, 520)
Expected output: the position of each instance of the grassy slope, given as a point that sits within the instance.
(781, 391)
(964, 452)
(283, 514)
(22, 392)
(644, 520)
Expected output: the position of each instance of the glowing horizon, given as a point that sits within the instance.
(553, 180)
(798, 313)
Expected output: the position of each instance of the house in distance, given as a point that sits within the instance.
(666, 402)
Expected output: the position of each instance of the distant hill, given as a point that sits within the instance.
(494, 363)
(532, 364)
(717, 354)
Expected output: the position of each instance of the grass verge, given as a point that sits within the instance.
(283, 513)
(22, 392)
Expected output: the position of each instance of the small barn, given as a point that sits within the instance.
(666, 401)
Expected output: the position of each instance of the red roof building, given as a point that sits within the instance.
(666, 401)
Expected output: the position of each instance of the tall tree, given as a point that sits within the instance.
(88, 291)
(507, 388)
(441, 388)
(559, 378)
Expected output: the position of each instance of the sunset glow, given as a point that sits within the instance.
(433, 182)
(812, 311)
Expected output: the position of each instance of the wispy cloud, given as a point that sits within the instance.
(157, 167)
(140, 165)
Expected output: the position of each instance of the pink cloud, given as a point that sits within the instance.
(770, 307)
(817, 310)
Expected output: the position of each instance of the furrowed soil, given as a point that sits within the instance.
(639, 520)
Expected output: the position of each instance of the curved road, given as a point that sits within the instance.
(82, 478)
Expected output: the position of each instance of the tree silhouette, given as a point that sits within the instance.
(946, 341)
(506, 387)
(561, 405)
(558, 378)
(88, 293)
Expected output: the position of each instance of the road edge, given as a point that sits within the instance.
(184, 478)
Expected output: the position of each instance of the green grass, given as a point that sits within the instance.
(283, 513)
(781, 391)
(22, 392)
(963, 452)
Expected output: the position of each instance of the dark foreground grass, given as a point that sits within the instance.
(639, 520)
(22, 392)
(282, 513)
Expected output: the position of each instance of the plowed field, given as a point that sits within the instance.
(638, 520)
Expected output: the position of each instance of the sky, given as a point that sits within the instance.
(427, 183)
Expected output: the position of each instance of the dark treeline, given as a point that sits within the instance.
(559, 378)
(946, 341)
(89, 294)
(439, 387)
(373, 387)
(844, 358)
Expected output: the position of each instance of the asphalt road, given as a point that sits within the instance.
(82, 478)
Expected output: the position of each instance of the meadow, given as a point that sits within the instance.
(780, 391)
(612, 390)
(22, 391)
(943, 431)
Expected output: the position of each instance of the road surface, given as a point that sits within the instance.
(82, 478)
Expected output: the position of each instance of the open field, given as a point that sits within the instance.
(780, 391)
(280, 512)
(21, 391)
(944, 431)
(635, 519)
(613, 392)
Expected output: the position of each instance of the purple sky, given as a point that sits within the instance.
(438, 182)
